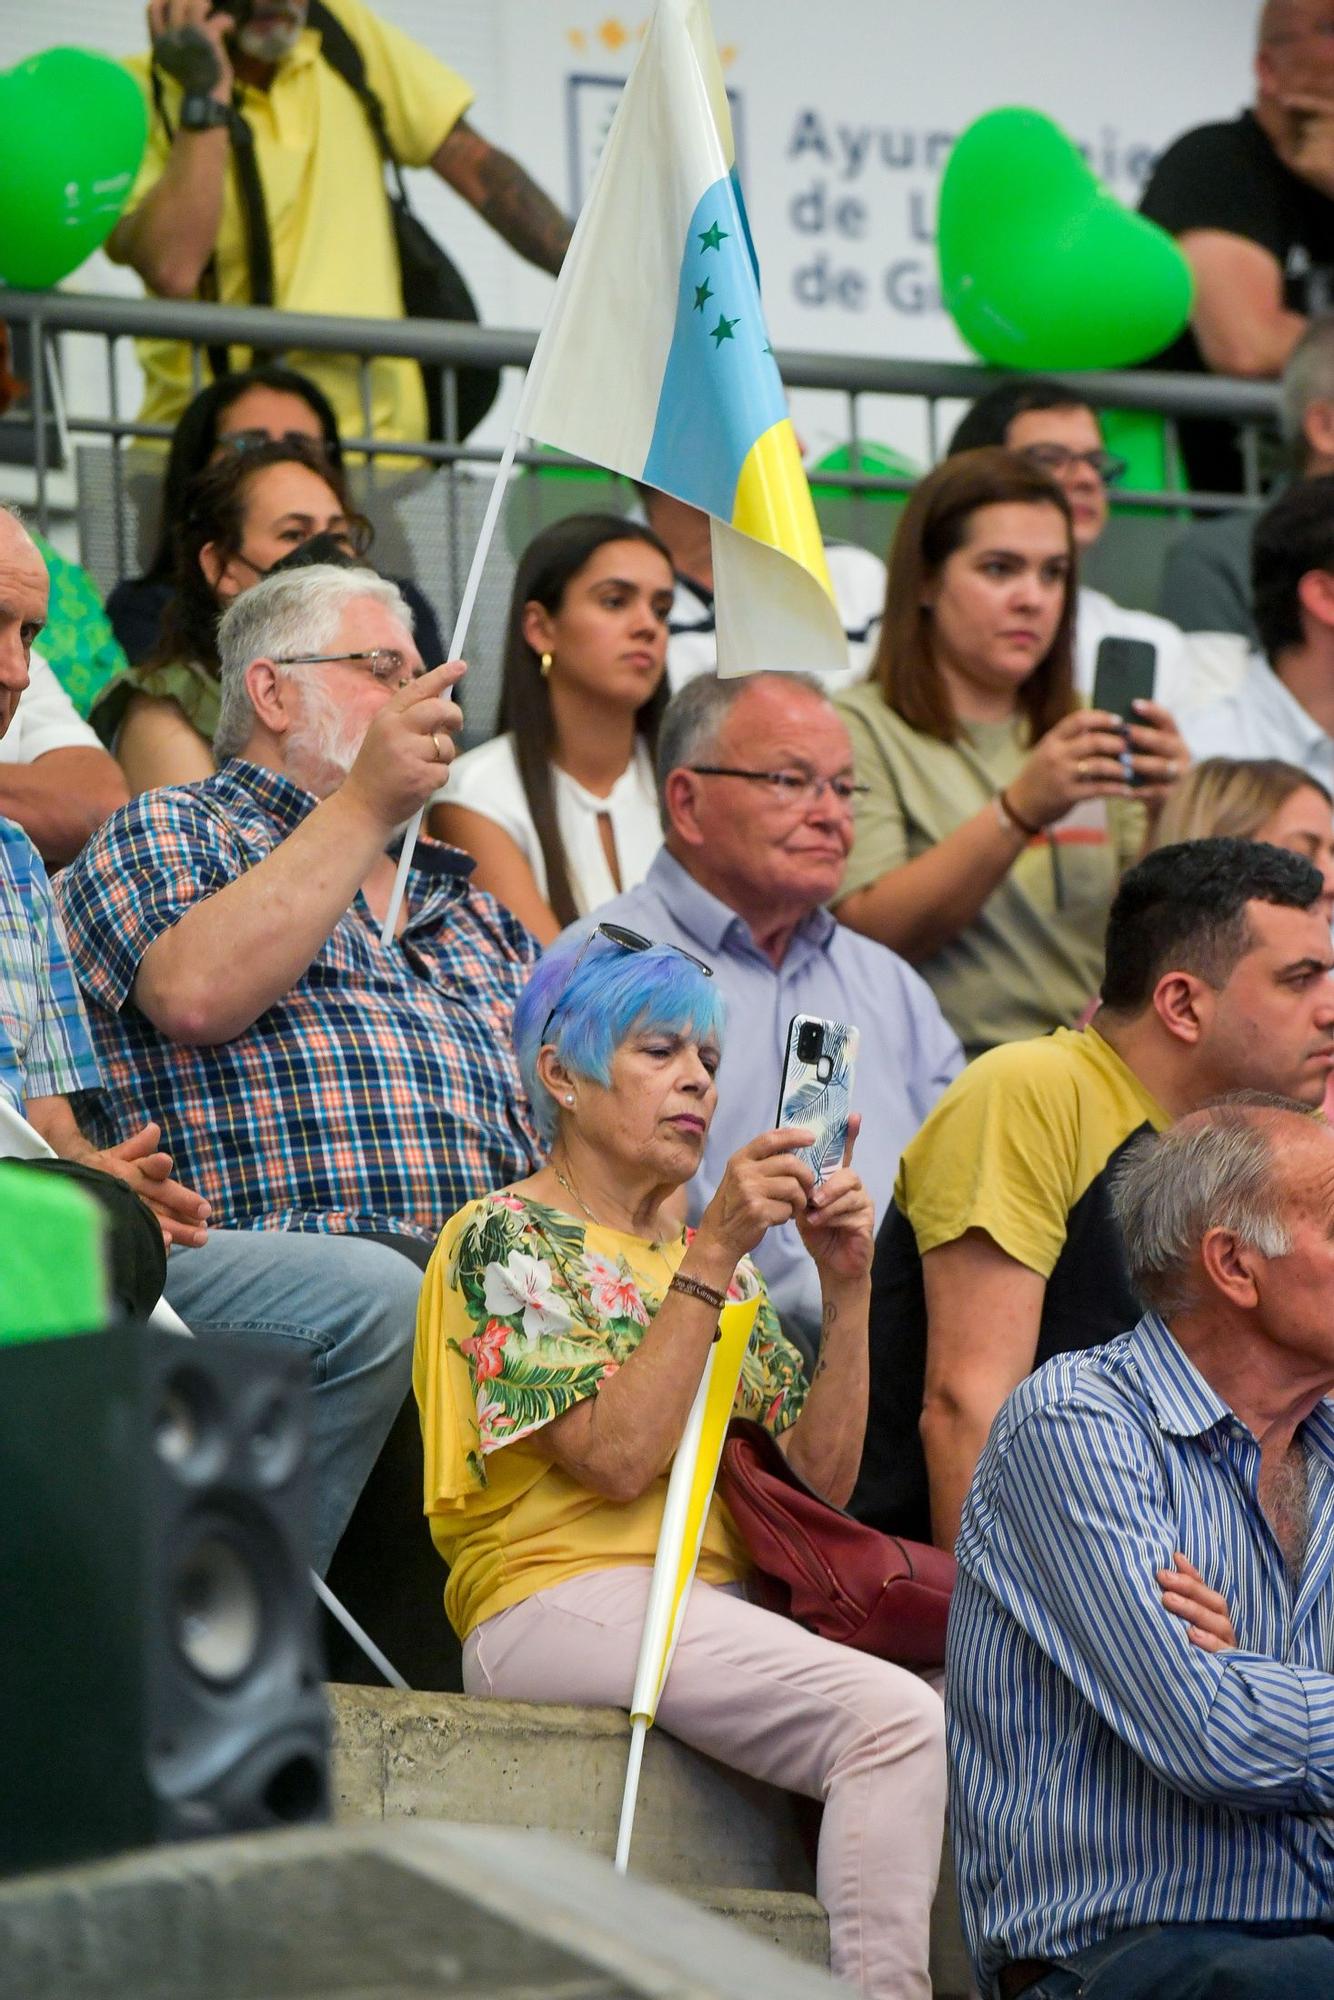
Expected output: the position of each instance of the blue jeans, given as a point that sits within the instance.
(347, 1305)
(1197, 1962)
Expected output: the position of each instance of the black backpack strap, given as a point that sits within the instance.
(346, 60)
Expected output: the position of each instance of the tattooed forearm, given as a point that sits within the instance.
(827, 1318)
(505, 196)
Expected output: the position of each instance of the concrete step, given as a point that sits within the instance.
(724, 1840)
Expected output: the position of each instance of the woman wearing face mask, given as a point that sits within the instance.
(999, 815)
(234, 414)
(241, 517)
(561, 811)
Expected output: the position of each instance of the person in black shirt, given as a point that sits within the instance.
(1251, 203)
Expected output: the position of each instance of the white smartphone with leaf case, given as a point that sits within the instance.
(818, 1069)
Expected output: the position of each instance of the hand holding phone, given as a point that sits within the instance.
(1124, 674)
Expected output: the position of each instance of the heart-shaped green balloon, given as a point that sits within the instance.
(74, 128)
(1040, 265)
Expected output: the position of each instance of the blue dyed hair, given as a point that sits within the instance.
(613, 994)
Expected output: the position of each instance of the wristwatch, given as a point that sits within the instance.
(201, 114)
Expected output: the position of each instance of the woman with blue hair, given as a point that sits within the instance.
(563, 1328)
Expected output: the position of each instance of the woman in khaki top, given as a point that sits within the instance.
(998, 819)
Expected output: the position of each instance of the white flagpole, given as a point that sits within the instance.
(469, 599)
(657, 1637)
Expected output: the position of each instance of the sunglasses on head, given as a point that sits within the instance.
(625, 941)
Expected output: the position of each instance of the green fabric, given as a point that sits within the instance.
(51, 1268)
(189, 685)
(77, 641)
(1031, 959)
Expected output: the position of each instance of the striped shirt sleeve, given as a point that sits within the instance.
(1070, 1539)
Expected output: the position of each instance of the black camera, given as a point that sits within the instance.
(810, 1042)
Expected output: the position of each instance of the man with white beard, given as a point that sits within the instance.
(335, 1099)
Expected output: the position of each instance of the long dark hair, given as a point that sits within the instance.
(195, 440)
(213, 510)
(545, 568)
(934, 524)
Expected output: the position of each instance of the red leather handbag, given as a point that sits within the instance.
(832, 1574)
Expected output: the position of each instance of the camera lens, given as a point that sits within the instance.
(810, 1041)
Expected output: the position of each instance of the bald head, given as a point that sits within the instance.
(23, 599)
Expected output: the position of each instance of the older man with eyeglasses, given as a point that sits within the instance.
(335, 1100)
(758, 794)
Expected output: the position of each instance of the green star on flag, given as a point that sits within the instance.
(703, 293)
(713, 236)
(723, 331)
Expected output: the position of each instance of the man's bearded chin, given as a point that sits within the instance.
(272, 37)
(322, 743)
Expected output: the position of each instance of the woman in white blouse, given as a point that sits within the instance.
(561, 811)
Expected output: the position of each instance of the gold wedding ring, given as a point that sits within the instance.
(1081, 768)
(435, 738)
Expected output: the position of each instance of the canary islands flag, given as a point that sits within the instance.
(655, 361)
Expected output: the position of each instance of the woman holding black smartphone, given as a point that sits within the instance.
(1000, 814)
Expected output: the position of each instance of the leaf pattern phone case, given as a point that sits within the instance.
(818, 1094)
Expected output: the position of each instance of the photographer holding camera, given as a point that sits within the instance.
(271, 124)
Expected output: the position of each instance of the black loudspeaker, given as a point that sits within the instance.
(159, 1672)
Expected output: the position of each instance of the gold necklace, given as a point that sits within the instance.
(575, 1196)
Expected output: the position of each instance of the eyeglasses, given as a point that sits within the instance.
(384, 665)
(251, 440)
(627, 941)
(1059, 458)
(791, 788)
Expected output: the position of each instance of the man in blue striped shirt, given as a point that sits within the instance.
(1141, 1654)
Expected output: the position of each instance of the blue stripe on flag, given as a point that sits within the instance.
(720, 389)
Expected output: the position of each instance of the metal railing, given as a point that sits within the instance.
(439, 344)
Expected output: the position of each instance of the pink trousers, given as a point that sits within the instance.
(761, 1694)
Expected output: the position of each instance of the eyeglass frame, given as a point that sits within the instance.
(1108, 465)
(811, 787)
(628, 941)
(365, 656)
(254, 438)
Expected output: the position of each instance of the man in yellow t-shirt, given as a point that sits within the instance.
(1001, 1249)
(322, 177)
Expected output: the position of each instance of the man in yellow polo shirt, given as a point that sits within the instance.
(1000, 1249)
(322, 176)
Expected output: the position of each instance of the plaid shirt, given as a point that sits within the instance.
(380, 1094)
(45, 1050)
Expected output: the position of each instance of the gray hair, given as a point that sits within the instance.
(291, 615)
(693, 719)
(1216, 1169)
(1308, 378)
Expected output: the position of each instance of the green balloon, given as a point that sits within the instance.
(878, 461)
(74, 127)
(1040, 265)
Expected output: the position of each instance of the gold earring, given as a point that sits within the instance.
(546, 666)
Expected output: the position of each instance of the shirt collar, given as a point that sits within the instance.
(708, 919)
(1181, 1399)
(1278, 696)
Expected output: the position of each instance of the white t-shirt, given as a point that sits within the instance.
(45, 719)
(1194, 668)
(858, 578)
(486, 781)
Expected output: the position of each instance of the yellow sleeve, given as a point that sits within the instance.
(423, 98)
(156, 153)
(999, 1152)
(442, 1383)
(880, 840)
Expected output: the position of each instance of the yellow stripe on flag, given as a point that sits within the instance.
(773, 502)
(736, 1323)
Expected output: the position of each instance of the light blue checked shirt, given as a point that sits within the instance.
(1105, 1773)
(45, 1049)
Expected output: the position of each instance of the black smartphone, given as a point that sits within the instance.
(1124, 673)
